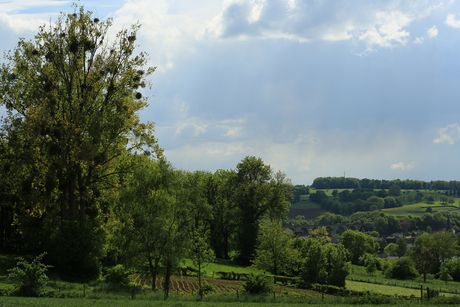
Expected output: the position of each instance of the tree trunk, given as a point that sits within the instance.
(167, 279)
(199, 280)
(153, 273)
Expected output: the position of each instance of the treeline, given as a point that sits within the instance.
(156, 216)
(385, 224)
(354, 183)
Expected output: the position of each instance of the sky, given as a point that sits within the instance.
(365, 89)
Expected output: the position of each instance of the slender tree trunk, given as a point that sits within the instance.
(153, 273)
(167, 279)
(199, 280)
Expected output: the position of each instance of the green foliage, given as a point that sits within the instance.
(153, 231)
(430, 198)
(453, 267)
(258, 193)
(338, 268)
(314, 268)
(404, 268)
(390, 250)
(444, 274)
(372, 263)
(205, 289)
(275, 252)
(394, 190)
(401, 247)
(117, 275)
(72, 104)
(201, 253)
(258, 284)
(76, 249)
(324, 264)
(31, 277)
(430, 251)
(358, 244)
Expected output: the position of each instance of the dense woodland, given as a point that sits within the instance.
(85, 181)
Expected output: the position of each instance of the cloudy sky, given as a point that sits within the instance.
(315, 88)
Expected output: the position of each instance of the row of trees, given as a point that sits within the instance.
(354, 183)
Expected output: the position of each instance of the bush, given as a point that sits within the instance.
(258, 284)
(31, 277)
(117, 275)
(205, 289)
(453, 267)
(234, 256)
(404, 268)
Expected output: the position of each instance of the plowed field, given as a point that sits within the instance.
(189, 285)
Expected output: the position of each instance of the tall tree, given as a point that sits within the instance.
(72, 101)
(153, 221)
(401, 249)
(430, 251)
(314, 266)
(224, 222)
(274, 251)
(357, 244)
(258, 192)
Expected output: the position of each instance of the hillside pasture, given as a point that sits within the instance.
(414, 209)
(419, 209)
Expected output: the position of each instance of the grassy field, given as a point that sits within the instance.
(229, 292)
(311, 210)
(265, 302)
(418, 209)
(382, 289)
(305, 203)
(223, 265)
(377, 280)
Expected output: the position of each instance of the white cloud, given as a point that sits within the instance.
(451, 21)
(168, 30)
(12, 14)
(307, 156)
(419, 40)
(432, 32)
(401, 166)
(383, 24)
(448, 134)
(388, 30)
(192, 127)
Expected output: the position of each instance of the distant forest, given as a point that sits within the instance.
(354, 183)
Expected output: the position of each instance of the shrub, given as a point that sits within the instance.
(205, 289)
(404, 268)
(31, 277)
(117, 275)
(453, 268)
(234, 256)
(258, 284)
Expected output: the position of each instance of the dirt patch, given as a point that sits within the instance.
(189, 285)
